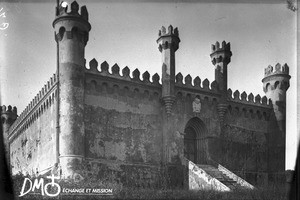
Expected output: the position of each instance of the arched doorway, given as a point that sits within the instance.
(195, 141)
(190, 144)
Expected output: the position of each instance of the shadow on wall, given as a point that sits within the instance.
(6, 188)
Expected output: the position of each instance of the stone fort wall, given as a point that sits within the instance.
(123, 128)
(130, 110)
(116, 126)
(32, 136)
(123, 125)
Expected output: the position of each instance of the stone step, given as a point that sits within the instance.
(216, 173)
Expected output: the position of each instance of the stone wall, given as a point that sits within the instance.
(31, 137)
(123, 130)
(245, 144)
(34, 148)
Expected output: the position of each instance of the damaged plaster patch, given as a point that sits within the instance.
(143, 152)
(173, 150)
(115, 104)
(95, 148)
(115, 150)
(108, 149)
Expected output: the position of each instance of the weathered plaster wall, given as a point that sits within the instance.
(123, 129)
(34, 148)
(245, 143)
(126, 174)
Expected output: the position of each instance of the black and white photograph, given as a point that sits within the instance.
(148, 99)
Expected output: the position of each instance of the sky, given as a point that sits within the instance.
(125, 32)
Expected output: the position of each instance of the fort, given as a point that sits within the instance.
(97, 124)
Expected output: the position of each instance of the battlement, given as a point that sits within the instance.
(40, 102)
(168, 39)
(248, 99)
(188, 83)
(248, 106)
(8, 116)
(63, 11)
(8, 110)
(115, 73)
(221, 54)
(276, 78)
(206, 85)
(71, 24)
(171, 32)
(278, 70)
(216, 47)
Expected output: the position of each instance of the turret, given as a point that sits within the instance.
(8, 117)
(168, 41)
(220, 58)
(275, 85)
(71, 34)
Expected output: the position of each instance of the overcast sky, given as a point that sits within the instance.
(126, 33)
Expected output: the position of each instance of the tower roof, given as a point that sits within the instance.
(270, 70)
(277, 71)
(63, 14)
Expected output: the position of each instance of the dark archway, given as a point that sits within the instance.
(195, 141)
(190, 144)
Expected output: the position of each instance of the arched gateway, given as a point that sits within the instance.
(195, 144)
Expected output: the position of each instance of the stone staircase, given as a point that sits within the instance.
(232, 181)
(222, 177)
(213, 176)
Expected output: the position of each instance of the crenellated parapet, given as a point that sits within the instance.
(63, 11)
(224, 46)
(104, 70)
(220, 54)
(168, 38)
(72, 24)
(8, 116)
(135, 77)
(276, 78)
(8, 110)
(112, 80)
(278, 69)
(249, 106)
(243, 98)
(37, 106)
(196, 83)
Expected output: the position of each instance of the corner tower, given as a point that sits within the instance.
(8, 117)
(275, 84)
(168, 42)
(71, 34)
